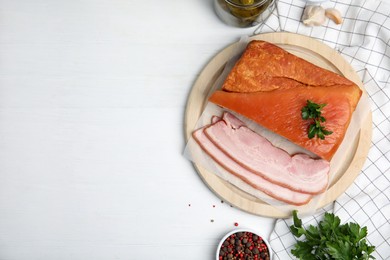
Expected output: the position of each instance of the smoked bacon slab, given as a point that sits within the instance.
(270, 86)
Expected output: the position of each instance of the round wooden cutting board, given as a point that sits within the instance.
(312, 51)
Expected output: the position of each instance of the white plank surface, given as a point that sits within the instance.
(92, 98)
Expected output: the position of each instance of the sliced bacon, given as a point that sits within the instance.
(256, 181)
(256, 154)
(215, 119)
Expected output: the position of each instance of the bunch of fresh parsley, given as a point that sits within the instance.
(330, 240)
(313, 111)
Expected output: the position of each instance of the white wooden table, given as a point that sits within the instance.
(92, 99)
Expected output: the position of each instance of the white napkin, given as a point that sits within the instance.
(363, 39)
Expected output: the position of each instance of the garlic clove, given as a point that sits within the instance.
(313, 15)
(334, 15)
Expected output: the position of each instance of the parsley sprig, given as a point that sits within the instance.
(313, 111)
(330, 240)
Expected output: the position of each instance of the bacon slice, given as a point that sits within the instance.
(255, 153)
(256, 181)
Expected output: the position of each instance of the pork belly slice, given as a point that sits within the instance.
(299, 172)
(256, 181)
(215, 119)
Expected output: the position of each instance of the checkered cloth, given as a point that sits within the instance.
(363, 39)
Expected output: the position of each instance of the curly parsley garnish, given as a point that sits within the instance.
(313, 111)
(330, 240)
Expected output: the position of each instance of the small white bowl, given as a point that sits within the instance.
(243, 230)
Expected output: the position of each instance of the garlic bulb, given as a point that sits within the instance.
(313, 15)
(334, 15)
